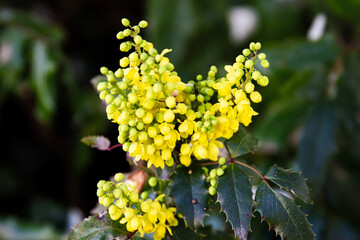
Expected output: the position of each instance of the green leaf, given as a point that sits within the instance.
(282, 214)
(235, 197)
(182, 232)
(12, 44)
(190, 194)
(42, 80)
(348, 9)
(99, 142)
(163, 174)
(290, 181)
(98, 228)
(240, 143)
(317, 143)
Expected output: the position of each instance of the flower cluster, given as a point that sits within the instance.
(214, 174)
(159, 115)
(143, 215)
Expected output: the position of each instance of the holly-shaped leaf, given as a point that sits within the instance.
(98, 227)
(235, 197)
(163, 174)
(99, 142)
(190, 194)
(282, 214)
(240, 143)
(181, 232)
(290, 181)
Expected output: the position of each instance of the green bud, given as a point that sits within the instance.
(213, 68)
(119, 73)
(213, 182)
(133, 132)
(126, 146)
(100, 192)
(120, 35)
(127, 32)
(104, 70)
(119, 177)
(140, 113)
(102, 86)
(263, 81)
(209, 92)
(108, 186)
(101, 183)
(118, 193)
(169, 162)
(158, 87)
(198, 115)
(261, 56)
(144, 56)
(249, 64)
(143, 24)
(158, 58)
(192, 97)
(124, 62)
(134, 197)
(109, 98)
(265, 63)
(222, 161)
(246, 52)
(212, 190)
(125, 22)
(152, 52)
(144, 195)
(213, 173)
(107, 201)
(122, 85)
(125, 189)
(136, 29)
(219, 171)
(170, 86)
(189, 89)
(152, 181)
(252, 46)
(162, 69)
(133, 57)
(137, 39)
(200, 98)
(169, 66)
(240, 59)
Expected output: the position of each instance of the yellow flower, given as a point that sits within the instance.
(185, 160)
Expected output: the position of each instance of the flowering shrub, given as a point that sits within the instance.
(188, 139)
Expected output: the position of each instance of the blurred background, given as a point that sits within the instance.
(50, 50)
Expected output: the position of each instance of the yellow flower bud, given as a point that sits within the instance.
(169, 116)
(152, 131)
(185, 149)
(148, 118)
(170, 102)
(249, 87)
(255, 97)
(185, 160)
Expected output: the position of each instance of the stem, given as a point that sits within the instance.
(253, 169)
(130, 236)
(115, 146)
(242, 164)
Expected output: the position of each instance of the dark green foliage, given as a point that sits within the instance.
(235, 197)
(290, 181)
(242, 142)
(282, 214)
(98, 228)
(189, 191)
